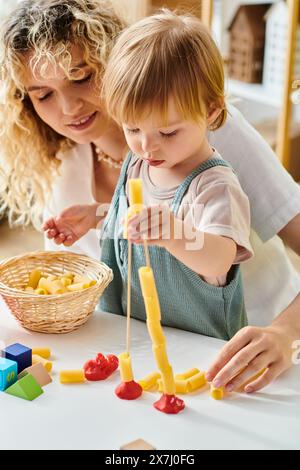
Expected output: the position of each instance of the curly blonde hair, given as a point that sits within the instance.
(161, 55)
(29, 147)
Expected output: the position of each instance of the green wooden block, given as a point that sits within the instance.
(26, 388)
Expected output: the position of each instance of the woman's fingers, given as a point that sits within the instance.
(255, 368)
(236, 364)
(239, 341)
(48, 224)
(264, 379)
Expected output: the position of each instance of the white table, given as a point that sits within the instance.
(90, 416)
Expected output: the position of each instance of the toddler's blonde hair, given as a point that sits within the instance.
(46, 29)
(165, 55)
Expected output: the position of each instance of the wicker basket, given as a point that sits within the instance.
(52, 313)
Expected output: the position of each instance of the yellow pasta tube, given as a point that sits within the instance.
(135, 191)
(78, 286)
(66, 281)
(34, 278)
(155, 330)
(186, 375)
(216, 393)
(156, 334)
(125, 367)
(42, 352)
(181, 386)
(71, 376)
(83, 279)
(150, 381)
(160, 355)
(196, 381)
(40, 291)
(52, 287)
(132, 210)
(47, 364)
(69, 275)
(168, 381)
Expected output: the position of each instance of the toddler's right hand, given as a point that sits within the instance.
(71, 224)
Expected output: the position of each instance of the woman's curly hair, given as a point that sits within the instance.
(46, 29)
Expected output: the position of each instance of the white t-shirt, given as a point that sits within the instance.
(270, 281)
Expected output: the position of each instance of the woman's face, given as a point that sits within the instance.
(71, 107)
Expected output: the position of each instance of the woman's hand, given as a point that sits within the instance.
(71, 224)
(249, 352)
(153, 223)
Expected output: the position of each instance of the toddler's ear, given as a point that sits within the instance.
(214, 112)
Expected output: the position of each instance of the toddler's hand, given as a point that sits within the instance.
(250, 351)
(153, 223)
(71, 224)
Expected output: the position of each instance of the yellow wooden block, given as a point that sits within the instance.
(71, 376)
(196, 381)
(34, 278)
(216, 393)
(125, 367)
(150, 381)
(42, 352)
(47, 364)
(135, 191)
(186, 375)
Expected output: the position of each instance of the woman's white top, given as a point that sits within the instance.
(270, 281)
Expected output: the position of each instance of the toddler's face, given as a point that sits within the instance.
(178, 143)
(71, 107)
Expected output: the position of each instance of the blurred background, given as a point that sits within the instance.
(260, 44)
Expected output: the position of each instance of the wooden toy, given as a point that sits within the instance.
(47, 364)
(247, 42)
(42, 352)
(71, 376)
(37, 371)
(26, 388)
(138, 444)
(19, 353)
(8, 373)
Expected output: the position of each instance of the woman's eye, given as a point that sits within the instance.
(133, 131)
(171, 134)
(83, 80)
(43, 98)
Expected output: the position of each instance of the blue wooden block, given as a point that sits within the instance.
(8, 373)
(20, 354)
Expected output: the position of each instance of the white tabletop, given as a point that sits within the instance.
(90, 416)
